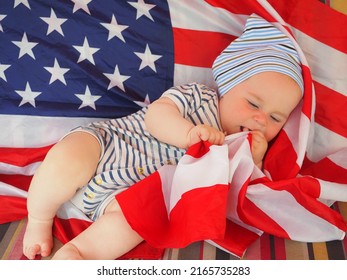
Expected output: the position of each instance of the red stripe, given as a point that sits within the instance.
(130, 203)
(237, 238)
(297, 187)
(193, 219)
(19, 181)
(199, 149)
(250, 214)
(281, 169)
(254, 251)
(316, 20)
(23, 156)
(198, 48)
(190, 220)
(325, 170)
(12, 209)
(331, 109)
(247, 7)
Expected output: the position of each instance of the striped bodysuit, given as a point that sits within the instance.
(130, 153)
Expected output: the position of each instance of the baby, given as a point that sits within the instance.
(259, 84)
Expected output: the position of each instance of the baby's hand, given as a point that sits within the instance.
(259, 147)
(205, 133)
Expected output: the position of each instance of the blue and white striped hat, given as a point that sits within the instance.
(261, 48)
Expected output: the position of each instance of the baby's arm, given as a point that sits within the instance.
(164, 121)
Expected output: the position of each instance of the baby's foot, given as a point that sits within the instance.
(38, 239)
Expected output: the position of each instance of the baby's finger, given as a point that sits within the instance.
(204, 134)
(220, 138)
(258, 136)
(216, 137)
(211, 138)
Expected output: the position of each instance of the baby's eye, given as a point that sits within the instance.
(253, 104)
(276, 119)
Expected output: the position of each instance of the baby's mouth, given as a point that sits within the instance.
(243, 129)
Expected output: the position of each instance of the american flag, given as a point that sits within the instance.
(66, 63)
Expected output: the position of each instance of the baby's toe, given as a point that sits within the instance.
(32, 251)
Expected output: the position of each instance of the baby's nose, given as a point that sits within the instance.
(260, 118)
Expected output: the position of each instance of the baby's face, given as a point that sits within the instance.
(263, 102)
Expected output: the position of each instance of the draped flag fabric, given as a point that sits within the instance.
(215, 185)
(69, 62)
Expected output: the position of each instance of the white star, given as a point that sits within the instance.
(54, 23)
(88, 99)
(28, 96)
(3, 68)
(1, 18)
(144, 103)
(24, 2)
(114, 29)
(86, 52)
(81, 4)
(148, 59)
(57, 72)
(116, 79)
(25, 46)
(142, 9)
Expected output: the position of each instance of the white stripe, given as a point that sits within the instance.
(297, 129)
(166, 175)
(332, 191)
(188, 175)
(240, 169)
(300, 225)
(325, 143)
(10, 169)
(199, 15)
(184, 74)
(239, 158)
(328, 65)
(35, 131)
(8, 190)
(339, 158)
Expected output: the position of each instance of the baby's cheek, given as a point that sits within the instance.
(272, 132)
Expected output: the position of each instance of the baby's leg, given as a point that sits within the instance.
(106, 239)
(68, 166)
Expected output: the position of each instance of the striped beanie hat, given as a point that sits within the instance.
(262, 47)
